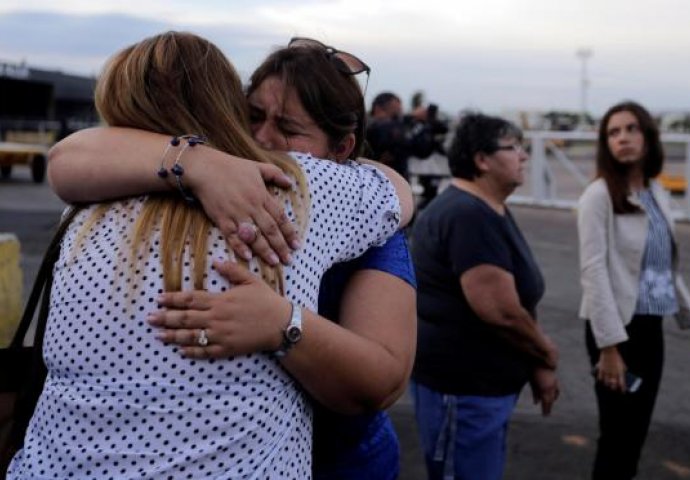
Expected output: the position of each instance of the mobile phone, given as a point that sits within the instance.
(632, 381)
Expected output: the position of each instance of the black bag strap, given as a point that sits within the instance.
(29, 389)
(41, 287)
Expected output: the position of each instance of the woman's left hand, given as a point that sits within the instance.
(247, 318)
(610, 370)
(234, 195)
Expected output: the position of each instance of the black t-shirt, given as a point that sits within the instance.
(457, 352)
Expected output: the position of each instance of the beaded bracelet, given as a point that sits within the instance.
(177, 169)
(162, 171)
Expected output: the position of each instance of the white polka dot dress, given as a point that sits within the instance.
(120, 404)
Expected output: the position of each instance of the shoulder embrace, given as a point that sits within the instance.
(328, 171)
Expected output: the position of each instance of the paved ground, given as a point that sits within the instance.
(561, 447)
(556, 448)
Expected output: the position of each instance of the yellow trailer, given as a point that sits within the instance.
(32, 155)
(673, 183)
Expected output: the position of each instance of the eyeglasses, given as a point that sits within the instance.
(344, 62)
(516, 147)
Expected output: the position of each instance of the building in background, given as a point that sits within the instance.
(37, 108)
(44, 102)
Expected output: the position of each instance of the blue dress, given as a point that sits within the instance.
(358, 447)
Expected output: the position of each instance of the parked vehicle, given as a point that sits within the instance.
(26, 148)
(675, 184)
(32, 155)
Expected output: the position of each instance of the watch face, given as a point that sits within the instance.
(293, 334)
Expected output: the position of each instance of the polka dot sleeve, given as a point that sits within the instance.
(355, 205)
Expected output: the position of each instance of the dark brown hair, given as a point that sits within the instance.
(477, 133)
(332, 99)
(614, 173)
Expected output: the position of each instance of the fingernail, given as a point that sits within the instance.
(287, 259)
(247, 254)
(218, 262)
(273, 259)
(159, 336)
(296, 244)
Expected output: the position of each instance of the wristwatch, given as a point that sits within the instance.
(292, 333)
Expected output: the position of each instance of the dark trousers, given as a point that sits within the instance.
(624, 417)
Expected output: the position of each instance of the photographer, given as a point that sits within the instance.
(393, 137)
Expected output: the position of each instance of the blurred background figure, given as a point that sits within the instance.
(478, 289)
(393, 137)
(628, 268)
(385, 135)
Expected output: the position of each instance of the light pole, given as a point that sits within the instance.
(584, 54)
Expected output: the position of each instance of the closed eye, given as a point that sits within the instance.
(289, 127)
(256, 114)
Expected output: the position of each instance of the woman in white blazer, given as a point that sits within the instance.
(628, 269)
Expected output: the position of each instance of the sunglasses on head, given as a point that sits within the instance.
(344, 62)
(349, 64)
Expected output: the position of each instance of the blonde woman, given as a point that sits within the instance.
(303, 97)
(119, 404)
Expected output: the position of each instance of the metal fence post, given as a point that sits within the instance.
(537, 168)
(686, 194)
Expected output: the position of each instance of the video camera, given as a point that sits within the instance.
(426, 135)
(408, 136)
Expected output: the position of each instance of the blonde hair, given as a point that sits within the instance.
(176, 83)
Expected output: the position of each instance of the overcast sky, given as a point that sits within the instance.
(494, 55)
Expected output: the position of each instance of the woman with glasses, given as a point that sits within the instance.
(303, 97)
(478, 289)
(630, 281)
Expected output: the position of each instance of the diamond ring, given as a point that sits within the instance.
(202, 339)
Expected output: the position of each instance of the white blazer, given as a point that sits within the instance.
(611, 251)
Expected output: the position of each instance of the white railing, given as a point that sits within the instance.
(562, 163)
